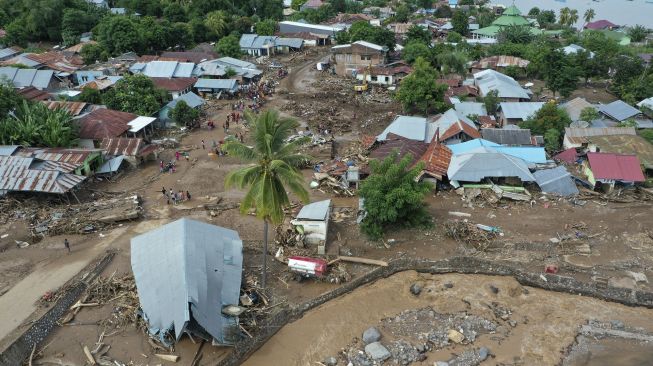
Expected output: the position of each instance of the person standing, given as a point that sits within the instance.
(163, 191)
(203, 145)
(66, 244)
(188, 195)
(177, 155)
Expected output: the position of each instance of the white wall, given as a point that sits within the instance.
(315, 231)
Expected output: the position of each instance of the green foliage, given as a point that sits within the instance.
(90, 95)
(515, 34)
(547, 118)
(230, 72)
(647, 134)
(637, 33)
(568, 17)
(36, 125)
(118, 34)
(452, 63)
(393, 196)
(559, 73)
(443, 11)
(552, 140)
(419, 90)
(589, 15)
(266, 27)
(296, 4)
(174, 13)
(491, 101)
(534, 12)
(513, 71)
(184, 115)
(216, 23)
(415, 50)
(628, 123)
(91, 53)
(364, 31)
(546, 18)
(454, 37)
(460, 22)
(9, 99)
(74, 23)
(273, 166)
(135, 94)
(418, 34)
(402, 13)
(229, 46)
(16, 34)
(589, 114)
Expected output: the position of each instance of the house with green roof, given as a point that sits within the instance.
(511, 16)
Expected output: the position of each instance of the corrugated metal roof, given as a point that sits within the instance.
(471, 108)
(575, 106)
(557, 180)
(465, 147)
(625, 144)
(580, 135)
(493, 62)
(188, 270)
(225, 84)
(520, 110)
(290, 42)
(29, 180)
(164, 69)
(436, 159)
(507, 136)
(648, 103)
(122, 146)
(317, 211)
(474, 167)
(74, 108)
(31, 93)
(607, 166)
(104, 123)
(619, 110)
(331, 29)
(400, 144)
(8, 150)
(450, 123)
(488, 80)
(112, 165)
(410, 127)
(193, 100)
(8, 52)
(174, 84)
(531, 154)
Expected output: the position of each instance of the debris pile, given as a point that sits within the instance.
(463, 231)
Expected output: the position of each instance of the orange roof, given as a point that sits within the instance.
(367, 141)
(436, 159)
(459, 127)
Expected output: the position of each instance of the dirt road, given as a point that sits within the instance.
(17, 304)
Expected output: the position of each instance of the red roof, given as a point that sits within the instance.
(367, 141)
(616, 167)
(436, 159)
(104, 123)
(487, 121)
(569, 156)
(600, 24)
(402, 145)
(122, 146)
(174, 84)
(459, 127)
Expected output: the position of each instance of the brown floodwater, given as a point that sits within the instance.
(547, 322)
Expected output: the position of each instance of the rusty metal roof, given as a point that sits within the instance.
(61, 155)
(122, 146)
(19, 173)
(493, 62)
(74, 108)
(174, 84)
(31, 93)
(104, 123)
(436, 159)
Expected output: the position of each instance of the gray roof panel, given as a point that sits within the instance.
(410, 127)
(474, 167)
(226, 84)
(187, 262)
(317, 211)
(619, 110)
(557, 180)
(193, 100)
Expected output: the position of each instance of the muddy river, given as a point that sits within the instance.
(519, 325)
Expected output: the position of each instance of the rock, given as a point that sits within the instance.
(377, 351)
(637, 276)
(622, 282)
(441, 363)
(331, 361)
(448, 285)
(554, 240)
(494, 289)
(421, 348)
(371, 335)
(483, 352)
(617, 324)
(512, 323)
(455, 336)
(415, 289)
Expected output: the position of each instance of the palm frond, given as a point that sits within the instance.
(241, 151)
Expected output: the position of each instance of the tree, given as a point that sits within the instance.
(589, 114)
(552, 140)
(74, 23)
(230, 72)
(92, 52)
(564, 16)
(418, 34)
(266, 27)
(420, 91)
(452, 63)
(296, 4)
(415, 50)
(90, 95)
(216, 22)
(16, 34)
(175, 12)
(135, 94)
(637, 33)
(229, 46)
(34, 124)
(589, 15)
(118, 34)
(546, 18)
(573, 17)
(402, 13)
(454, 37)
(647, 134)
(560, 75)
(546, 118)
(515, 34)
(491, 101)
(513, 71)
(184, 115)
(273, 170)
(9, 99)
(443, 11)
(534, 12)
(393, 196)
(460, 22)
(364, 31)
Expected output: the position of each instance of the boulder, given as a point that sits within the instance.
(331, 361)
(483, 353)
(377, 351)
(415, 289)
(371, 335)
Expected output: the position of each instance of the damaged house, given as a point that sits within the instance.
(188, 276)
(348, 58)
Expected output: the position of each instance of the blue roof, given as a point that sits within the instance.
(89, 74)
(193, 100)
(556, 180)
(225, 84)
(470, 145)
(530, 154)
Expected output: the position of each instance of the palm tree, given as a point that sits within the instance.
(589, 15)
(274, 168)
(564, 16)
(573, 17)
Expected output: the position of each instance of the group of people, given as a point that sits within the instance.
(170, 166)
(175, 197)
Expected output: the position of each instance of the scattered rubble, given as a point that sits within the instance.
(464, 231)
